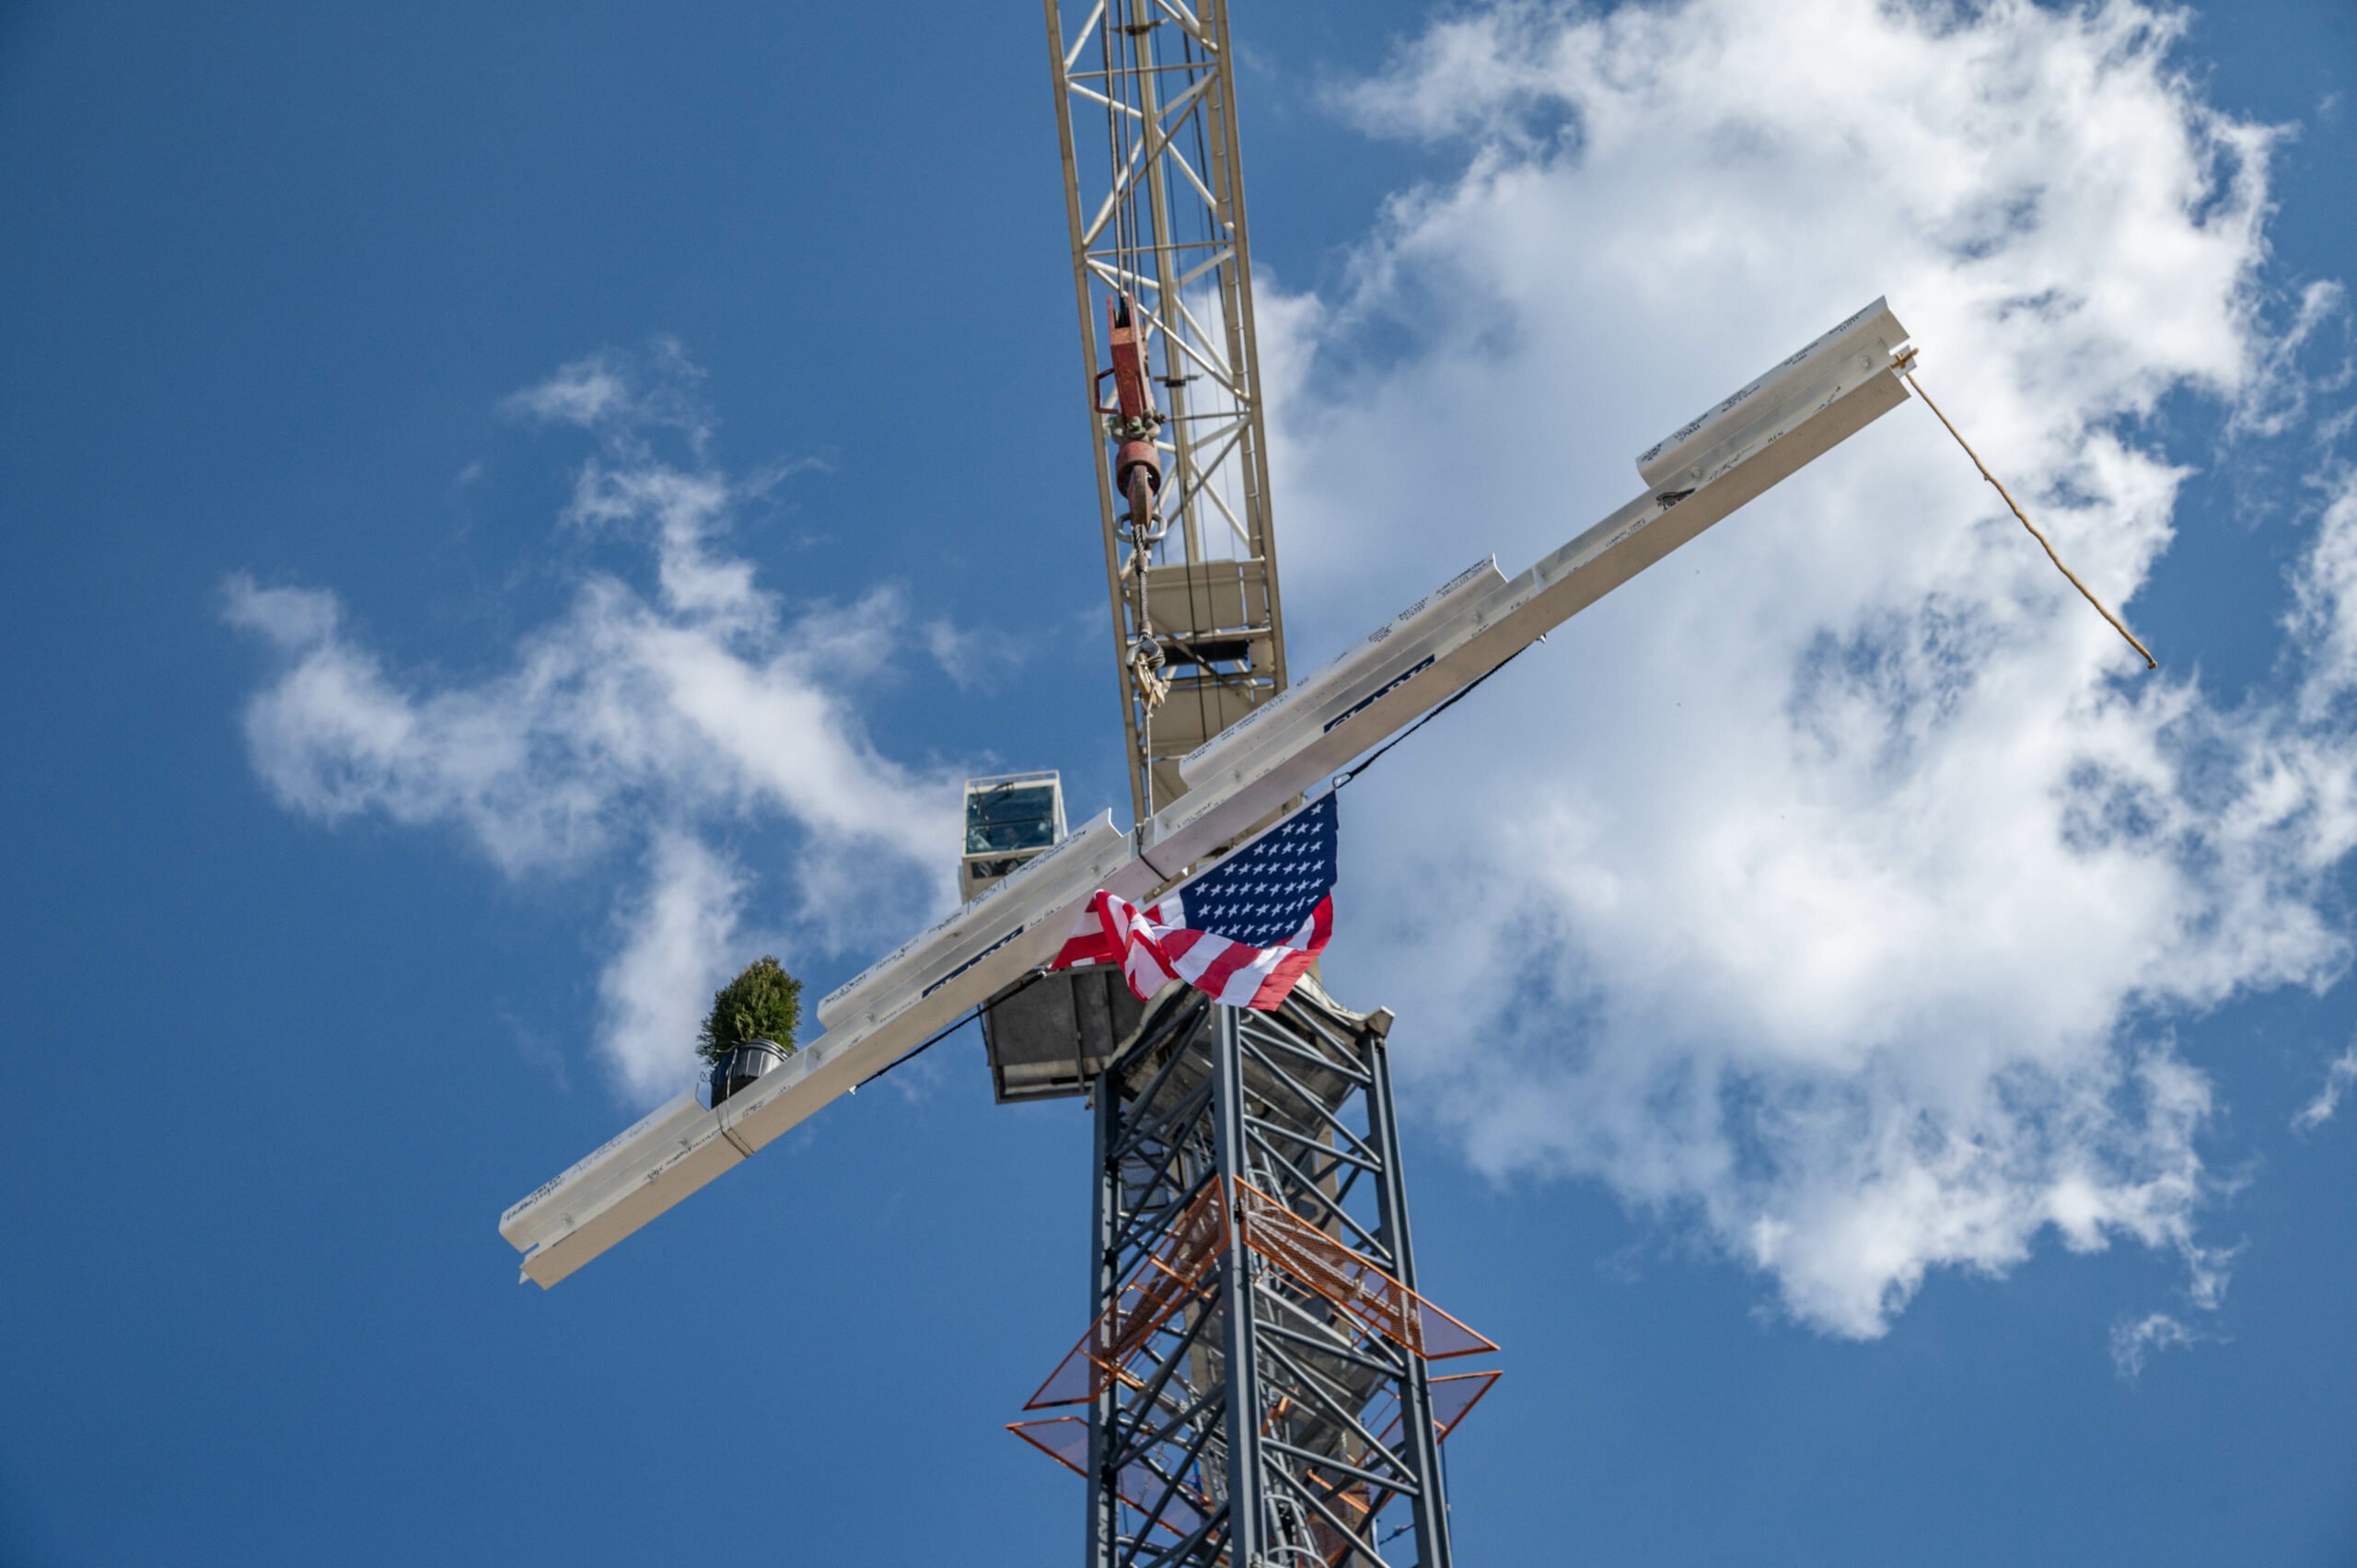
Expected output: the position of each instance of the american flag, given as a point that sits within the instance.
(1243, 932)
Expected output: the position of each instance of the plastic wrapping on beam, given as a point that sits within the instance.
(1423, 656)
(1355, 676)
(1309, 739)
(679, 1149)
(1072, 870)
(1689, 454)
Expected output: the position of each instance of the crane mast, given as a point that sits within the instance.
(1154, 197)
(1239, 1407)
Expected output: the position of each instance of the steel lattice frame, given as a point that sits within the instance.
(1145, 116)
(1246, 1418)
(1247, 1406)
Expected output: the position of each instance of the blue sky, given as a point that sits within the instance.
(1865, 1056)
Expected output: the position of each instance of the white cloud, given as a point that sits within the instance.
(633, 725)
(1831, 886)
(620, 395)
(975, 660)
(2324, 617)
(2326, 1104)
(2133, 1342)
(679, 939)
(585, 392)
(2283, 389)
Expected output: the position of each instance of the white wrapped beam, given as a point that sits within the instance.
(1430, 652)
(928, 983)
(1069, 870)
(1695, 450)
(1357, 675)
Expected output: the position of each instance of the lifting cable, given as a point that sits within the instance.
(1907, 369)
(914, 1051)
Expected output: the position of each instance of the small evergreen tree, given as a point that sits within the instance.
(763, 1002)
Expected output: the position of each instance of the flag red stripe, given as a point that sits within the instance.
(1296, 961)
(1223, 968)
(1153, 948)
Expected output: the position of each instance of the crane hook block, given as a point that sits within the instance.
(1131, 418)
(1133, 394)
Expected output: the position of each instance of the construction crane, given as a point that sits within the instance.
(1260, 1380)
(1153, 196)
(1255, 1380)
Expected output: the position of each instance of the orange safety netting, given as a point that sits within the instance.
(1195, 1242)
(1064, 1439)
(1161, 1282)
(1348, 1279)
(1453, 1397)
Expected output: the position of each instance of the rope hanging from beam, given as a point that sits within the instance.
(1907, 368)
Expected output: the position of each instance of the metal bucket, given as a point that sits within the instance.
(744, 1065)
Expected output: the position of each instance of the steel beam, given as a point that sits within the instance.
(1248, 1524)
(1422, 1442)
(1423, 658)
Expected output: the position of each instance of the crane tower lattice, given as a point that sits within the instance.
(1255, 1380)
(1146, 119)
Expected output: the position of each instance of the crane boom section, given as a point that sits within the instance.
(1154, 197)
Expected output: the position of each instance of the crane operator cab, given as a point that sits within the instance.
(1048, 1034)
(1009, 818)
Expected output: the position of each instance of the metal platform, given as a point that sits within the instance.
(1049, 1035)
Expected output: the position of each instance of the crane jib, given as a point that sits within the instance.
(1371, 693)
